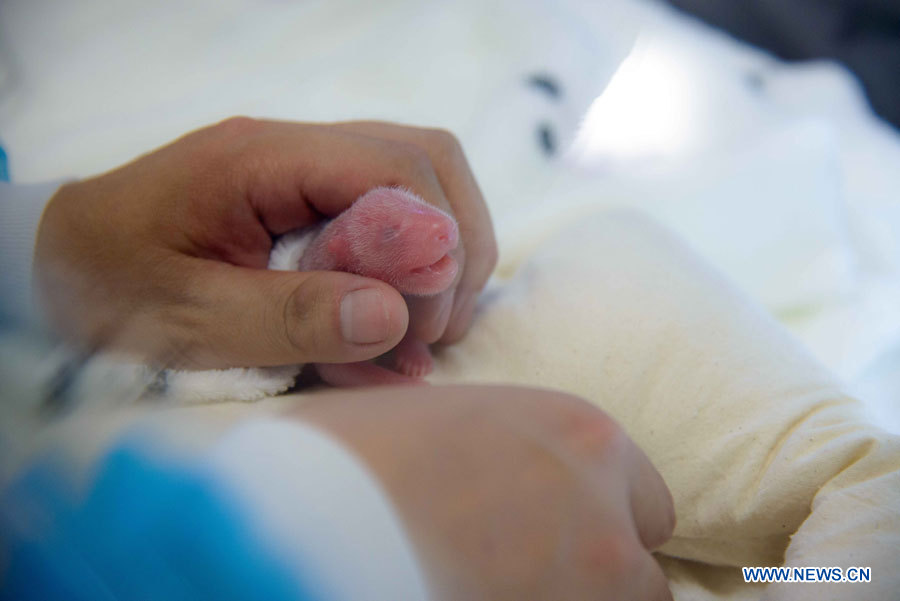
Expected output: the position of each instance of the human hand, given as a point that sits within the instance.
(510, 493)
(164, 257)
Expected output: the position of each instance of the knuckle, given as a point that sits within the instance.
(228, 129)
(237, 126)
(227, 166)
(448, 152)
(590, 433)
(299, 321)
(175, 318)
(180, 342)
(199, 154)
(208, 157)
(444, 142)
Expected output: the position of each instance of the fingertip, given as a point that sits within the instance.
(340, 317)
(652, 505)
(372, 312)
(367, 316)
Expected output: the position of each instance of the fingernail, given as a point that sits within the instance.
(364, 317)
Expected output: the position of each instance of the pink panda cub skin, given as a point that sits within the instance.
(392, 235)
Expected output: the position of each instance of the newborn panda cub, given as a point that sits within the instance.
(388, 234)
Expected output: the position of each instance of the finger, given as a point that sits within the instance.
(428, 316)
(651, 502)
(467, 205)
(292, 173)
(240, 316)
(645, 499)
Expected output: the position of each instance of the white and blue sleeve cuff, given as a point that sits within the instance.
(320, 506)
(21, 207)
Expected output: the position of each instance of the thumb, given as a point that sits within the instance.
(253, 317)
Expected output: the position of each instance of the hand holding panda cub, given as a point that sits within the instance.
(391, 235)
(388, 234)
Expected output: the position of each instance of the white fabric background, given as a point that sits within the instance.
(776, 174)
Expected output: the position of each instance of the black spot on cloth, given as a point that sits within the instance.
(549, 87)
(546, 83)
(754, 81)
(546, 138)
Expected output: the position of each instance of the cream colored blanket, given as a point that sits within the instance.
(768, 460)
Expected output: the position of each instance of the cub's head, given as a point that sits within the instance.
(395, 236)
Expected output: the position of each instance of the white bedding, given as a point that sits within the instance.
(778, 175)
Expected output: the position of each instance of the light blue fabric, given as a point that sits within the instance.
(146, 529)
(4, 166)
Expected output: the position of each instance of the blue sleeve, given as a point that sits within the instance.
(4, 166)
(143, 529)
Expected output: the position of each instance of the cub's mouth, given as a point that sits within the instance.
(427, 266)
(437, 268)
(429, 279)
